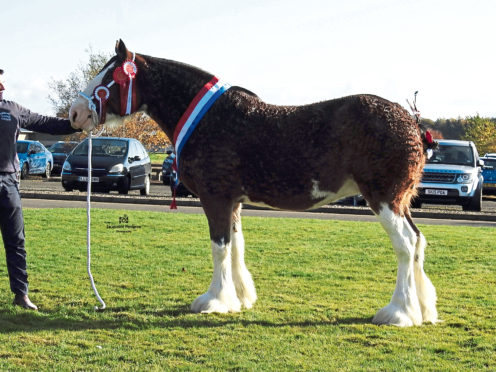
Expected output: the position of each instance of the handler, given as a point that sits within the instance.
(13, 117)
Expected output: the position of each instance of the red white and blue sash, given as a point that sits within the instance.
(198, 107)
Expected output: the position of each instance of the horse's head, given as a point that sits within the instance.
(111, 94)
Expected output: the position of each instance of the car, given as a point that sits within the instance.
(34, 158)
(490, 155)
(120, 164)
(60, 150)
(452, 175)
(181, 190)
(167, 168)
(489, 175)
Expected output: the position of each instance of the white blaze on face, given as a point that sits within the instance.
(80, 113)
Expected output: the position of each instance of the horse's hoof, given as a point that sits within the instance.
(395, 315)
(207, 303)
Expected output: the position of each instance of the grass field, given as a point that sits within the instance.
(157, 157)
(319, 284)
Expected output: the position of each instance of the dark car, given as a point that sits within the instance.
(120, 164)
(34, 158)
(60, 151)
(181, 190)
(167, 168)
(489, 175)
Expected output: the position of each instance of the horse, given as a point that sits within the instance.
(244, 150)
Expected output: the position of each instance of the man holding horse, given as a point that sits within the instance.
(13, 117)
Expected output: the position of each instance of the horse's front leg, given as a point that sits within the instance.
(221, 296)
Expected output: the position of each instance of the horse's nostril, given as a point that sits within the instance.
(74, 116)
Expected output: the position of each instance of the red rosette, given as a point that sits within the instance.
(428, 137)
(120, 77)
(130, 69)
(101, 93)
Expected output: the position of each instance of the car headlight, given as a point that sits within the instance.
(67, 166)
(118, 168)
(464, 178)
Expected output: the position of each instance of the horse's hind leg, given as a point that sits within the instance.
(221, 296)
(404, 308)
(245, 288)
(425, 290)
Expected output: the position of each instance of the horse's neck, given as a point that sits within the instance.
(167, 88)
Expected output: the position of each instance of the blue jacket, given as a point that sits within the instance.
(13, 117)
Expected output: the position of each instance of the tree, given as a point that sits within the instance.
(482, 131)
(65, 92)
(449, 128)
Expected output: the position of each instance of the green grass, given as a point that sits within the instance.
(319, 284)
(157, 157)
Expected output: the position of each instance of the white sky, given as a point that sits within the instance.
(286, 51)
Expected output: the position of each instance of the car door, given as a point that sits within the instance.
(136, 167)
(36, 158)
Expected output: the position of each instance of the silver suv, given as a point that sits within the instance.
(452, 175)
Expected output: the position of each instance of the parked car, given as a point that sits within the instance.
(120, 164)
(60, 150)
(167, 168)
(181, 190)
(34, 158)
(452, 175)
(489, 174)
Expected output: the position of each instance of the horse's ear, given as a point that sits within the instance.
(121, 50)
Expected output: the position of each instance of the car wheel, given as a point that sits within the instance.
(68, 187)
(124, 189)
(48, 171)
(474, 204)
(146, 189)
(416, 203)
(24, 171)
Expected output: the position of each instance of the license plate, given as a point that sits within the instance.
(436, 192)
(85, 179)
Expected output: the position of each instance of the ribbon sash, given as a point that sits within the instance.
(198, 107)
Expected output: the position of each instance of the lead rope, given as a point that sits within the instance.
(88, 216)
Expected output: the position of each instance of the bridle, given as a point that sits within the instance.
(123, 76)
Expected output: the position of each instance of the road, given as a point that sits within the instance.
(158, 190)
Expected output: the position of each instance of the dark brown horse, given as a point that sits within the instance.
(244, 150)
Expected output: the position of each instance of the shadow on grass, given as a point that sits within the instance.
(120, 318)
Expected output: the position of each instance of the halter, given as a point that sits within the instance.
(123, 76)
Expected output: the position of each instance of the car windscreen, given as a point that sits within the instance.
(61, 148)
(22, 147)
(103, 147)
(490, 163)
(452, 154)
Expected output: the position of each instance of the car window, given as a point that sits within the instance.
(490, 162)
(135, 150)
(452, 154)
(61, 147)
(22, 147)
(141, 151)
(36, 148)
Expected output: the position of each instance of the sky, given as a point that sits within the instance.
(288, 52)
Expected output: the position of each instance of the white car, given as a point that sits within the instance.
(452, 175)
